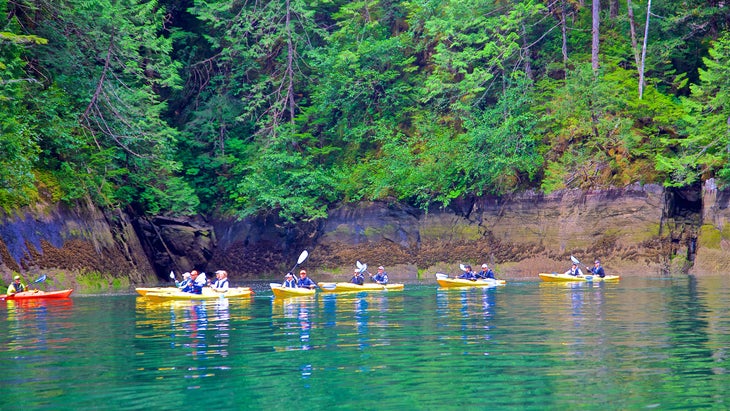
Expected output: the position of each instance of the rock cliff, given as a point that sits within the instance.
(637, 230)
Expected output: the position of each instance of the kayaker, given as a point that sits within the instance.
(485, 273)
(574, 270)
(16, 286)
(304, 281)
(197, 282)
(357, 278)
(468, 273)
(185, 281)
(381, 277)
(597, 269)
(289, 281)
(221, 283)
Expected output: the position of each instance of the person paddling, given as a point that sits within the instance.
(574, 270)
(304, 281)
(357, 277)
(185, 281)
(221, 283)
(289, 281)
(485, 273)
(196, 284)
(381, 277)
(16, 286)
(597, 269)
(468, 273)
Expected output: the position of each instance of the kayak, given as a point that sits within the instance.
(208, 294)
(285, 292)
(144, 290)
(37, 294)
(350, 287)
(446, 282)
(556, 277)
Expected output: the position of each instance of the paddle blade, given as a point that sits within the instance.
(172, 275)
(358, 264)
(463, 267)
(442, 276)
(40, 279)
(574, 260)
(363, 268)
(303, 256)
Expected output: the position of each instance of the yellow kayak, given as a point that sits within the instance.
(446, 282)
(144, 290)
(208, 294)
(285, 292)
(350, 287)
(555, 277)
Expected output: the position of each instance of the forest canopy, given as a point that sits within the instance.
(244, 107)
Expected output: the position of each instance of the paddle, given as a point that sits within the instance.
(577, 262)
(303, 256)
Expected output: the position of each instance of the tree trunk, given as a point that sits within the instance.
(565, 34)
(595, 31)
(290, 64)
(526, 50)
(613, 9)
(632, 27)
(643, 51)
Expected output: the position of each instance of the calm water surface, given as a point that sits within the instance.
(639, 344)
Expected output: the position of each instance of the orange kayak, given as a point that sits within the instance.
(37, 294)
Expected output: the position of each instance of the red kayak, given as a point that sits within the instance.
(35, 294)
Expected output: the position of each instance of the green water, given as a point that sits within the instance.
(639, 344)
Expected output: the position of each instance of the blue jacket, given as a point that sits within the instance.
(290, 283)
(488, 274)
(357, 279)
(381, 278)
(306, 282)
(598, 271)
(468, 275)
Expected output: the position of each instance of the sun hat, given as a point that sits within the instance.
(381, 268)
(303, 272)
(17, 277)
(484, 266)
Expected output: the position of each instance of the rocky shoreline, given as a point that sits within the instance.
(643, 230)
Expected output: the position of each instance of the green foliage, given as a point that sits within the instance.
(180, 107)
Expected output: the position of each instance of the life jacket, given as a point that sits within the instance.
(290, 283)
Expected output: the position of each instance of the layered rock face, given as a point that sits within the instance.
(63, 241)
(713, 245)
(637, 230)
(522, 235)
